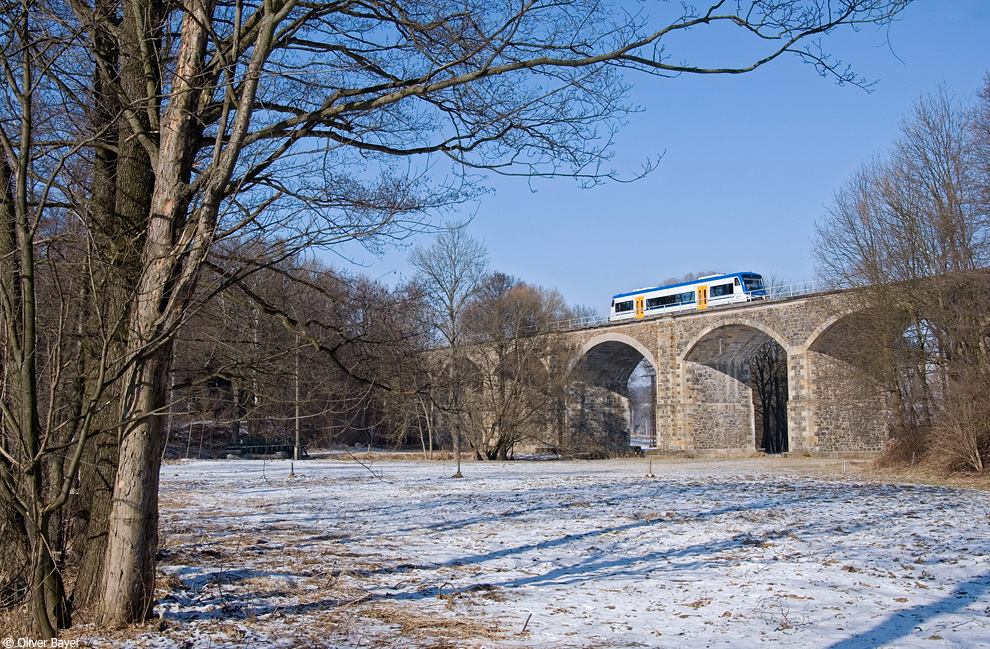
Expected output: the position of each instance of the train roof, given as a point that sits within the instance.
(707, 278)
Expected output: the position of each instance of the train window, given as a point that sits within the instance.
(720, 290)
(663, 300)
(753, 282)
(623, 306)
(669, 300)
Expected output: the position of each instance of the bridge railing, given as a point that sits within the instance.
(592, 320)
(773, 293)
(791, 290)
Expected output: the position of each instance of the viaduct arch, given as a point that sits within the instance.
(609, 359)
(702, 396)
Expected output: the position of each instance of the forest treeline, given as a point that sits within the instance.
(368, 364)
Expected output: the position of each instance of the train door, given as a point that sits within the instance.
(703, 297)
(640, 311)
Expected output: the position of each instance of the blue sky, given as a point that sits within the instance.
(749, 163)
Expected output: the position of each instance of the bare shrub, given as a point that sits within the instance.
(963, 428)
(14, 566)
(905, 448)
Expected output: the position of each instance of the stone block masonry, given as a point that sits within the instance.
(703, 399)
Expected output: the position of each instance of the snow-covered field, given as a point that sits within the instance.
(565, 554)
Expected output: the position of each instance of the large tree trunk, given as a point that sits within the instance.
(176, 245)
(97, 472)
(132, 541)
(97, 475)
(129, 582)
(168, 274)
(123, 183)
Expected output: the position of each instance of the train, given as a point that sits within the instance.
(701, 293)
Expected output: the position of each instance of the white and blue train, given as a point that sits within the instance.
(702, 293)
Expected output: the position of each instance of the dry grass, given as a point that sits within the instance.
(412, 624)
(12, 622)
(927, 470)
(932, 472)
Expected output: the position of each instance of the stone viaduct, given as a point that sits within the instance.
(703, 400)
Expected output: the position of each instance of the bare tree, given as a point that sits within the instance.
(451, 272)
(351, 348)
(913, 231)
(768, 378)
(517, 352)
(47, 410)
(768, 372)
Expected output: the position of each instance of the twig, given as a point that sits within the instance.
(264, 463)
(352, 602)
(368, 467)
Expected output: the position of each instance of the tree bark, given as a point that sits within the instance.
(168, 274)
(123, 182)
(132, 541)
